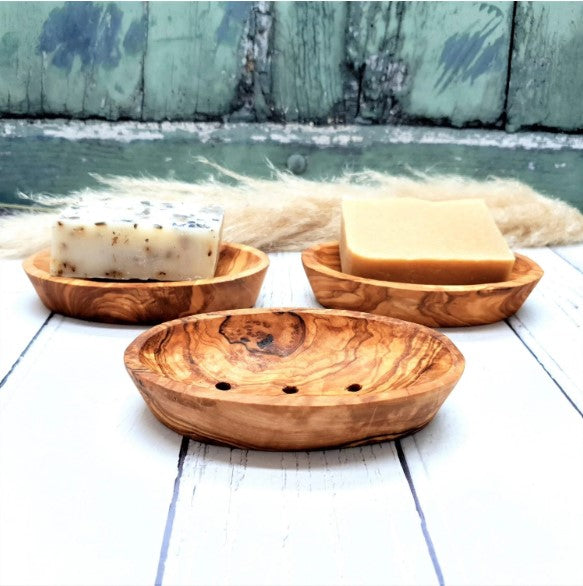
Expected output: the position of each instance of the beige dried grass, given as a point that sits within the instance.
(290, 213)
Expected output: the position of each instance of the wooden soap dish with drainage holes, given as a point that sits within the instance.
(293, 379)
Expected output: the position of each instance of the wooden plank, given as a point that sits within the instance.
(87, 472)
(572, 254)
(93, 55)
(498, 471)
(308, 58)
(21, 65)
(74, 59)
(57, 157)
(193, 60)
(287, 270)
(546, 82)
(429, 61)
(22, 315)
(296, 518)
(550, 322)
(263, 518)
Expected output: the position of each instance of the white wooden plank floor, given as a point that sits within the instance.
(21, 314)
(94, 490)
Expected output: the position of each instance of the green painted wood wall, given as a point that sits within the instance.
(480, 64)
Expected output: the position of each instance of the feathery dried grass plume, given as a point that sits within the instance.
(289, 213)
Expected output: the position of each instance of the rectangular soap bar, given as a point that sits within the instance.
(136, 240)
(417, 241)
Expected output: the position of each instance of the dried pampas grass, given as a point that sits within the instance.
(291, 213)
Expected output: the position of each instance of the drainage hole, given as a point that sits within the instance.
(290, 390)
(223, 386)
(354, 388)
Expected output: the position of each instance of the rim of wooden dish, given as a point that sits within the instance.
(450, 378)
(309, 258)
(30, 267)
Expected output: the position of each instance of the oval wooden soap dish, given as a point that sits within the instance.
(430, 305)
(236, 284)
(293, 379)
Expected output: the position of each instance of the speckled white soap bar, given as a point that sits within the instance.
(138, 240)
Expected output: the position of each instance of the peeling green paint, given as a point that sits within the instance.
(442, 63)
(83, 30)
(414, 61)
(68, 59)
(9, 44)
(546, 84)
(229, 27)
(136, 37)
(377, 69)
(457, 72)
(467, 56)
(187, 73)
(308, 61)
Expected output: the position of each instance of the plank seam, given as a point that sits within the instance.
(420, 513)
(171, 513)
(146, 16)
(509, 66)
(547, 371)
(360, 79)
(26, 349)
(578, 269)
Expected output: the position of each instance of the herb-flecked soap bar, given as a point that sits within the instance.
(140, 240)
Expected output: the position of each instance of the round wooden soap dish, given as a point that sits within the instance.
(430, 305)
(293, 379)
(238, 279)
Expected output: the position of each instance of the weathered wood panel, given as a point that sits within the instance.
(373, 44)
(546, 83)
(194, 58)
(21, 65)
(74, 59)
(308, 60)
(443, 61)
(323, 62)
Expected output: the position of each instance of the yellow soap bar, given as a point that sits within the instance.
(417, 241)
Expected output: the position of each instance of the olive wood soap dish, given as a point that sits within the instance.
(293, 379)
(236, 284)
(430, 305)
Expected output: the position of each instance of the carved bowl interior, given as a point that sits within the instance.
(293, 379)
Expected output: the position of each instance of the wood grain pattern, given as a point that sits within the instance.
(239, 275)
(293, 379)
(430, 305)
